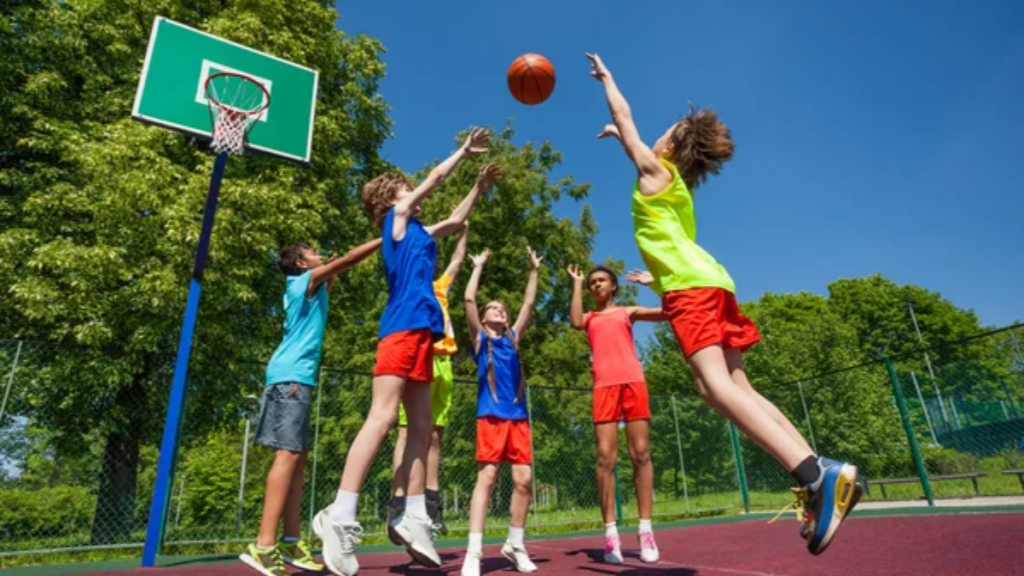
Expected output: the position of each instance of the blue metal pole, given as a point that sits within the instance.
(176, 404)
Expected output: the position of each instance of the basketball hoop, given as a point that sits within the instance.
(236, 102)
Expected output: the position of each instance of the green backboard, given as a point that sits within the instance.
(172, 88)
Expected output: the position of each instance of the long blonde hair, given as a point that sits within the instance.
(490, 356)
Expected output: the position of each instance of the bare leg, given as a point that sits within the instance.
(398, 479)
(522, 484)
(387, 390)
(414, 459)
(734, 360)
(718, 389)
(485, 478)
(607, 434)
(638, 440)
(279, 481)
(293, 507)
(434, 458)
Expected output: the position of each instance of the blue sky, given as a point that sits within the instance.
(872, 136)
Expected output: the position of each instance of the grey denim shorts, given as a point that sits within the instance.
(284, 416)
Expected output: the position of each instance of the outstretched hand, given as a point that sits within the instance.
(488, 175)
(476, 142)
(575, 273)
(640, 277)
(534, 259)
(480, 259)
(597, 68)
(609, 130)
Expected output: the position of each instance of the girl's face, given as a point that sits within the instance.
(602, 286)
(495, 315)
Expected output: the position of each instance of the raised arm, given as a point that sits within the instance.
(641, 314)
(487, 176)
(576, 307)
(472, 314)
(653, 176)
(327, 272)
(459, 254)
(408, 204)
(526, 312)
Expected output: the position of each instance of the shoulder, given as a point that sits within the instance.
(664, 188)
(299, 284)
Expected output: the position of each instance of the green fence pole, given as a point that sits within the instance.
(901, 403)
(741, 472)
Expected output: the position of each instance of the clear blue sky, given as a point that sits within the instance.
(872, 136)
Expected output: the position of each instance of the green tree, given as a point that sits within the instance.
(101, 214)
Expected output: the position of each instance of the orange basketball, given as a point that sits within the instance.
(531, 79)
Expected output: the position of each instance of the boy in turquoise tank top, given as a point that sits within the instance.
(503, 425)
(411, 322)
(287, 398)
(698, 298)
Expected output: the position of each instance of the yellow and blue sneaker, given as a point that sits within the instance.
(822, 505)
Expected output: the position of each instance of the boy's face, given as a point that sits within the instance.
(310, 259)
(405, 191)
(663, 146)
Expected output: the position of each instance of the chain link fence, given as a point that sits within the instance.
(78, 462)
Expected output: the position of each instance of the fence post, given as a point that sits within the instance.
(679, 448)
(1002, 382)
(10, 381)
(316, 445)
(741, 472)
(908, 427)
(241, 476)
(924, 408)
(807, 416)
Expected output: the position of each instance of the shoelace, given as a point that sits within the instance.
(647, 540)
(303, 547)
(276, 559)
(349, 538)
(799, 499)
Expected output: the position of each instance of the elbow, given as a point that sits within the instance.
(621, 113)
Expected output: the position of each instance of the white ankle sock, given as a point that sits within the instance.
(645, 526)
(416, 506)
(476, 542)
(343, 511)
(610, 530)
(515, 535)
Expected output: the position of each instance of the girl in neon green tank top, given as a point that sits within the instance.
(698, 298)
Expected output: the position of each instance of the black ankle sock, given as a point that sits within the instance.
(806, 471)
(432, 495)
(398, 502)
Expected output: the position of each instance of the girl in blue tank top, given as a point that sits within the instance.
(503, 426)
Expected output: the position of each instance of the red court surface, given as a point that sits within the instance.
(940, 545)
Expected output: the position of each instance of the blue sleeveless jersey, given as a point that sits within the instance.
(506, 380)
(409, 266)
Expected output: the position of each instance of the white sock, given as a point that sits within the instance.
(611, 530)
(476, 542)
(416, 506)
(645, 526)
(343, 511)
(515, 535)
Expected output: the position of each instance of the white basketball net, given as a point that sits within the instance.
(230, 127)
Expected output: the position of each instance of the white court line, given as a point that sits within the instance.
(674, 564)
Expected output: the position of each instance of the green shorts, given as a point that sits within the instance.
(440, 392)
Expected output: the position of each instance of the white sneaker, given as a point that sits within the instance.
(339, 544)
(612, 550)
(471, 563)
(648, 549)
(418, 540)
(518, 556)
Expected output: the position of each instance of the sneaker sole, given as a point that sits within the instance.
(319, 531)
(418, 553)
(393, 536)
(255, 565)
(847, 495)
(511, 557)
(612, 559)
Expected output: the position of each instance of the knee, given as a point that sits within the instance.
(523, 482)
(641, 456)
(382, 421)
(485, 478)
(606, 460)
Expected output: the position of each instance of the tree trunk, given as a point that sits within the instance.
(114, 517)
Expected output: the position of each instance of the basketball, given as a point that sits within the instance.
(531, 79)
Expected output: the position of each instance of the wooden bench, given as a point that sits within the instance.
(973, 476)
(1019, 473)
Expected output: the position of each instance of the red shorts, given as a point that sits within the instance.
(629, 401)
(409, 354)
(702, 317)
(499, 440)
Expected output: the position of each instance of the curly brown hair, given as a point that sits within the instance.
(701, 143)
(379, 195)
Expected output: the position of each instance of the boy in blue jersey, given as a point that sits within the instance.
(285, 406)
(411, 322)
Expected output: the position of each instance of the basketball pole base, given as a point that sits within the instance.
(176, 404)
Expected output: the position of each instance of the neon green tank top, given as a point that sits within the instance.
(666, 232)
